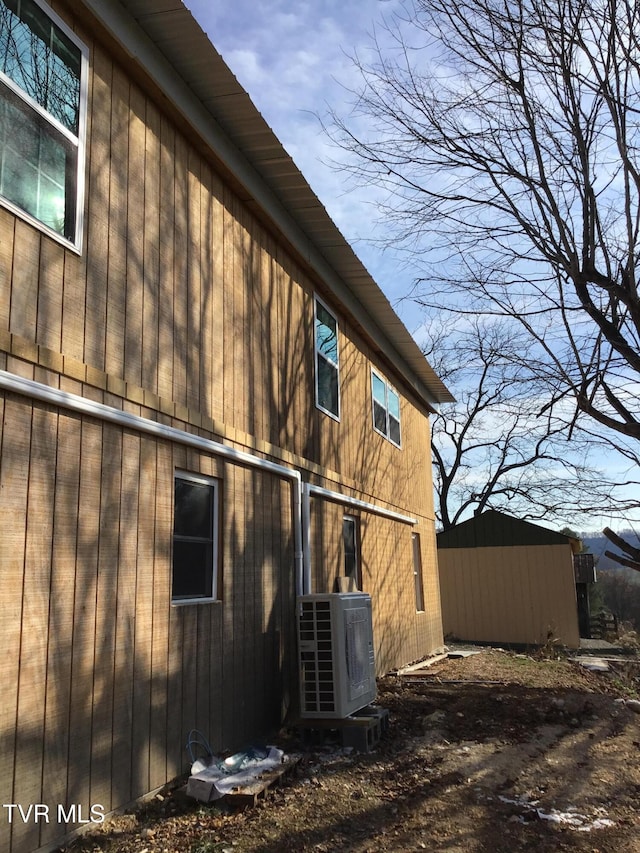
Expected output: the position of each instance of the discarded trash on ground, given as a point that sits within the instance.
(242, 777)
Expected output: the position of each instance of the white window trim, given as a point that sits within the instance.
(206, 481)
(387, 387)
(76, 244)
(316, 300)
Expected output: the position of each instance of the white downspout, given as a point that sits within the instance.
(306, 538)
(298, 547)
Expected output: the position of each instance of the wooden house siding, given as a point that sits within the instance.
(182, 298)
(104, 676)
(401, 633)
(187, 308)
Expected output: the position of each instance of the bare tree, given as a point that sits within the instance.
(494, 448)
(505, 135)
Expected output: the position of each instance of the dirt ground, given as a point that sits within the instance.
(492, 753)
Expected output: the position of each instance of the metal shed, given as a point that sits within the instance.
(507, 581)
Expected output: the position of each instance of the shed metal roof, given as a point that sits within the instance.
(179, 56)
(497, 529)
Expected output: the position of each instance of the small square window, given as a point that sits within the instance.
(195, 529)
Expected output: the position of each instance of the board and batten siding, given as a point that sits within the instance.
(385, 556)
(184, 307)
(519, 594)
(182, 295)
(104, 677)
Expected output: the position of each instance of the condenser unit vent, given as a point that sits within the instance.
(337, 664)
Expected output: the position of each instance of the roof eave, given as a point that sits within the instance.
(202, 88)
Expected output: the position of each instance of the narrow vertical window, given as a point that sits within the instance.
(195, 539)
(351, 549)
(386, 408)
(43, 82)
(327, 371)
(393, 410)
(417, 571)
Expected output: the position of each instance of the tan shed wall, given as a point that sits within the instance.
(518, 595)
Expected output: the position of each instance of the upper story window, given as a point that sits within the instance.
(327, 369)
(195, 539)
(386, 408)
(43, 71)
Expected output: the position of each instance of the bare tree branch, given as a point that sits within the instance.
(505, 135)
(625, 546)
(497, 446)
(623, 561)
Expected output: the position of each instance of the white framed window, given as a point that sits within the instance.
(327, 363)
(195, 539)
(386, 408)
(417, 572)
(43, 105)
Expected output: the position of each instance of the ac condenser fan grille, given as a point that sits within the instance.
(317, 664)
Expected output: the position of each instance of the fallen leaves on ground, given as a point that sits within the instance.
(492, 753)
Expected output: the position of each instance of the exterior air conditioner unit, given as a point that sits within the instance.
(337, 665)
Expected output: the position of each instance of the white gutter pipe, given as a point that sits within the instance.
(306, 539)
(337, 497)
(81, 405)
(301, 493)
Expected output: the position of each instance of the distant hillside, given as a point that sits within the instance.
(597, 544)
